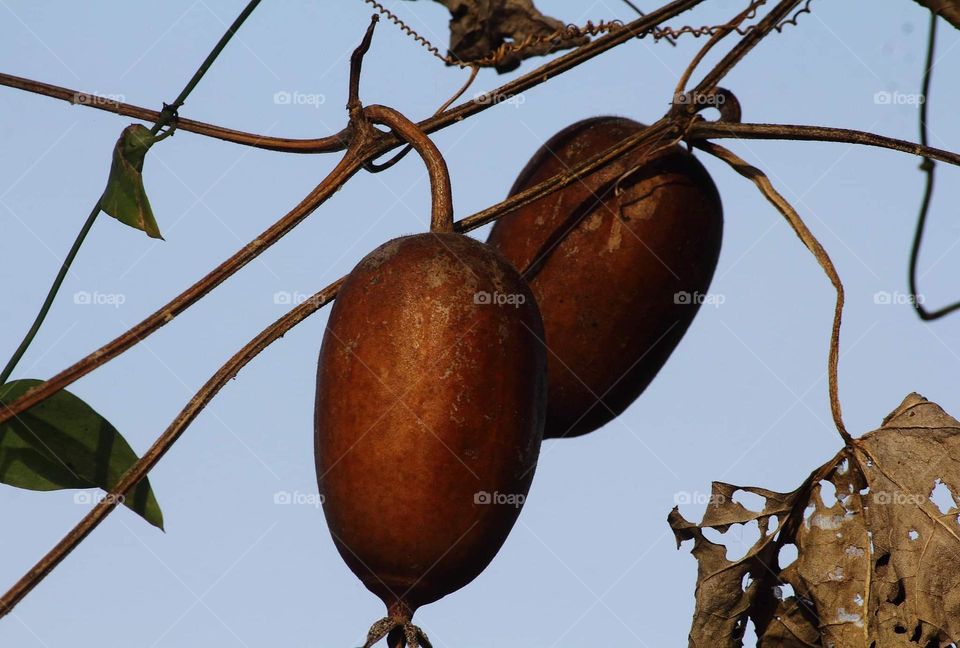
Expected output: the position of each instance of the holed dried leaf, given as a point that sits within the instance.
(878, 560)
(479, 27)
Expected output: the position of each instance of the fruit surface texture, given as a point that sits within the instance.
(431, 397)
(619, 263)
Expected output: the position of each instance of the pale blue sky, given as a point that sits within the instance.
(591, 560)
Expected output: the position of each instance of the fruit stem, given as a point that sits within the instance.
(441, 213)
(400, 611)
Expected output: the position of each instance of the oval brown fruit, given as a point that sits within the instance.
(618, 263)
(431, 396)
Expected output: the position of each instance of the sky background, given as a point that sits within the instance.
(591, 560)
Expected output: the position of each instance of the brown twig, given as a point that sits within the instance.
(655, 135)
(336, 142)
(763, 183)
(718, 36)
(373, 167)
(771, 21)
(715, 130)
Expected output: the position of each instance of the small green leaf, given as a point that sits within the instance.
(63, 443)
(125, 198)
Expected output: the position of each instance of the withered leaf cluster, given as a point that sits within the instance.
(478, 28)
(877, 546)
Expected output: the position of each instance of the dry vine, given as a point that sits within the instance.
(363, 144)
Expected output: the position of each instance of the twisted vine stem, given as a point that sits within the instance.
(760, 179)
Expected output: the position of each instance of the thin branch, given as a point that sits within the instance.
(661, 133)
(763, 183)
(928, 166)
(720, 34)
(373, 167)
(336, 142)
(769, 22)
(714, 130)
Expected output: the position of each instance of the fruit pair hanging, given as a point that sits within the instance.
(446, 360)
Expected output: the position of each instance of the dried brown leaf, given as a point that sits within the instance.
(478, 28)
(878, 562)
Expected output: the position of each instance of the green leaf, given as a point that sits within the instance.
(125, 198)
(63, 443)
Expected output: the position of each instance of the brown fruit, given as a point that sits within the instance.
(616, 261)
(430, 399)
